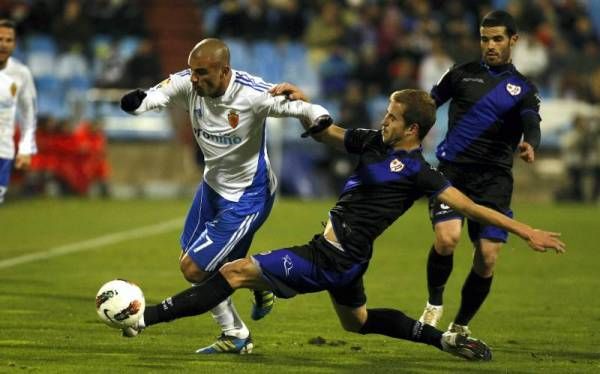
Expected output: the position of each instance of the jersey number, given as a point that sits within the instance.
(204, 245)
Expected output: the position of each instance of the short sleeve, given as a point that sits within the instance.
(530, 105)
(430, 181)
(442, 90)
(356, 139)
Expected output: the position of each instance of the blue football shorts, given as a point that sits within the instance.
(309, 268)
(491, 187)
(5, 169)
(218, 230)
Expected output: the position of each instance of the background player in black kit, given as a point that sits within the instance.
(390, 176)
(493, 107)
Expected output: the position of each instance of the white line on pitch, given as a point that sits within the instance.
(90, 244)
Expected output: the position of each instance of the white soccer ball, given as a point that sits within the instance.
(120, 303)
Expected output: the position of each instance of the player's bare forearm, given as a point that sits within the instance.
(333, 136)
(538, 240)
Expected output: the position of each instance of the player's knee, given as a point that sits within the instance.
(446, 241)
(236, 272)
(190, 271)
(484, 265)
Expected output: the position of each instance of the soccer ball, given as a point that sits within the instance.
(120, 303)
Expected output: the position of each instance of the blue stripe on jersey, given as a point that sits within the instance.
(251, 80)
(259, 89)
(489, 109)
(261, 179)
(184, 73)
(252, 83)
(379, 173)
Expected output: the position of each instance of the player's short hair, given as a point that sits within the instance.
(6, 23)
(419, 108)
(500, 18)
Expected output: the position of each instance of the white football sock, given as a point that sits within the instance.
(229, 320)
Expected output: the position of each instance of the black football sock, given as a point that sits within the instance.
(394, 323)
(193, 301)
(438, 271)
(474, 292)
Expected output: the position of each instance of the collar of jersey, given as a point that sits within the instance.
(499, 70)
(402, 152)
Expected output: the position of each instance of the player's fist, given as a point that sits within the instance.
(132, 100)
(526, 152)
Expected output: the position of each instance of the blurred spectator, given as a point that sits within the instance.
(72, 28)
(581, 155)
(116, 17)
(530, 57)
(69, 161)
(230, 19)
(335, 71)
(433, 66)
(143, 68)
(110, 66)
(290, 21)
(91, 148)
(324, 32)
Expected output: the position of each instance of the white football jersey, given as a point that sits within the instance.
(17, 95)
(230, 129)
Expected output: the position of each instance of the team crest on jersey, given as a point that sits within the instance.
(13, 89)
(513, 89)
(233, 118)
(396, 165)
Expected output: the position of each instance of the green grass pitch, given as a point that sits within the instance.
(542, 315)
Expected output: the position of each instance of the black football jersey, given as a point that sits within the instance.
(488, 109)
(383, 186)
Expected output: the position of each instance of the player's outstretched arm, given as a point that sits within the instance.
(321, 129)
(538, 240)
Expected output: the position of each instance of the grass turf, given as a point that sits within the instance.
(542, 314)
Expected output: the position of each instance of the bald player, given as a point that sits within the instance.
(228, 109)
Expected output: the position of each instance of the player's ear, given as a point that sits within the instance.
(413, 128)
(225, 70)
(513, 40)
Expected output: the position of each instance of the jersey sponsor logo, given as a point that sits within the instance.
(477, 80)
(513, 89)
(287, 264)
(13, 89)
(221, 139)
(396, 166)
(233, 119)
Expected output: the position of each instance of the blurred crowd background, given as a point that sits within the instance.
(347, 55)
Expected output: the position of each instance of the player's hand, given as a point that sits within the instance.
(526, 152)
(132, 100)
(319, 124)
(541, 241)
(22, 161)
(290, 91)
